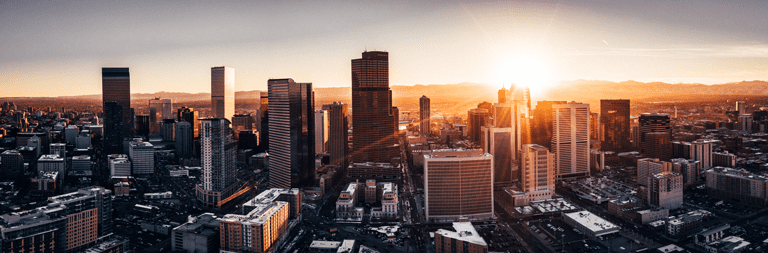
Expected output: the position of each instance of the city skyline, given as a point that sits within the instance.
(529, 43)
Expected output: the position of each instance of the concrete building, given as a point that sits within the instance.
(222, 92)
(52, 163)
(745, 123)
(198, 235)
(658, 145)
(537, 166)
(458, 183)
(219, 155)
(119, 165)
(666, 190)
(293, 196)
(570, 139)
(346, 204)
(81, 163)
(71, 133)
(741, 185)
(464, 240)
(652, 122)
(258, 231)
(499, 142)
(476, 120)
(689, 169)
(142, 156)
(59, 149)
(648, 167)
(590, 224)
(724, 159)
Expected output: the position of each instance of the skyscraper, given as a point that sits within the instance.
(537, 167)
(570, 140)
(502, 95)
(458, 183)
(652, 122)
(321, 131)
(190, 115)
(372, 113)
(476, 121)
(502, 115)
(665, 190)
(338, 124)
(541, 126)
(184, 139)
(614, 125)
(499, 142)
(658, 145)
(113, 128)
(159, 109)
(222, 92)
(219, 154)
(424, 115)
(292, 133)
(741, 107)
(116, 87)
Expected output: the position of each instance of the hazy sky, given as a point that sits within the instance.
(54, 48)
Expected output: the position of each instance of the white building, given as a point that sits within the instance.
(537, 165)
(570, 139)
(590, 224)
(347, 201)
(142, 156)
(50, 163)
(119, 165)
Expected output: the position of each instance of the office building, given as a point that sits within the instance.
(36, 143)
(71, 133)
(346, 204)
(83, 141)
(570, 139)
(741, 107)
(116, 87)
(537, 166)
(219, 154)
(190, 115)
(167, 130)
(119, 165)
(198, 235)
(740, 185)
(142, 156)
(241, 122)
(257, 231)
(476, 119)
(222, 92)
(11, 164)
(665, 190)
(541, 123)
(293, 196)
(458, 183)
(652, 122)
(321, 131)
(464, 240)
(590, 224)
(338, 134)
(658, 145)
(521, 116)
(745, 123)
(424, 115)
(723, 159)
(89, 215)
(59, 149)
(292, 147)
(159, 110)
(142, 125)
(185, 143)
(52, 163)
(648, 167)
(594, 127)
(38, 230)
(113, 128)
(81, 163)
(689, 169)
(614, 125)
(502, 115)
(499, 142)
(374, 120)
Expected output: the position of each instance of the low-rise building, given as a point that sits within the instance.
(590, 224)
(704, 238)
(198, 235)
(616, 206)
(686, 224)
(464, 240)
(122, 189)
(731, 244)
(347, 201)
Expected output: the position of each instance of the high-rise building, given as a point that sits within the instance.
(521, 116)
(541, 125)
(241, 122)
(373, 117)
(184, 139)
(142, 156)
(648, 167)
(338, 125)
(745, 123)
(499, 142)
(168, 129)
(652, 122)
(464, 240)
(219, 154)
(116, 87)
(321, 131)
(503, 95)
(113, 128)
(502, 115)
(658, 145)
(11, 164)
(741, 107)
(701, 150)
(458, 183)
(58, 149)
(292, 135)
(476, 121)
(724, 159)
(666, 190)
(570, 139)
(159, 110)
(257, 231)
(52, 163)
(537, 166)
(690, 169)
(222, 92)
(614, 125)
(190, 115)
(424, 115)
(119, 165)
(70, 133)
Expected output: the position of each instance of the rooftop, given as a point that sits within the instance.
(258, 215)
(324, 245)
(590, 221)
(50, 158)
(454, 153)
(465, 232)
(204, 224)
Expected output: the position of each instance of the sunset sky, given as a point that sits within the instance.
(55, 48)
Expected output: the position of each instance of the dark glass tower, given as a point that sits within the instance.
(424, 115)
(614, 125)
(652, 122)
(338, 133)
(116, 87)
(113, 128)
(292, 133)
(541, 125)
(374, 136)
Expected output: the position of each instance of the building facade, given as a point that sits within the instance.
(424, 115)
(219, 154)
(537, 166)
(570, 139)
(374, 119)
(116, 87)
(338, 134)
(614, 125)
(222, 92)
(292, 133)
(458, 183)
(652, 122)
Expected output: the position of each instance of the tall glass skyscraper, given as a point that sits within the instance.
(116, 87)
(222, 92)
(291, 133)
(614, 125)
(373, 132)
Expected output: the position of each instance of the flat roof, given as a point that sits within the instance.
(465, 231)
(591, 221)
(325, 245)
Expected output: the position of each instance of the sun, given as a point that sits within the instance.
(525, 69)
